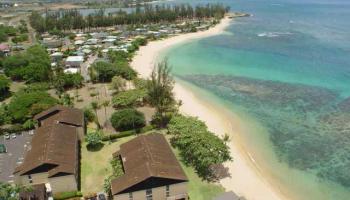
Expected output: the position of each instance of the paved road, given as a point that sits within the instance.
(16, 149)
(84, 71)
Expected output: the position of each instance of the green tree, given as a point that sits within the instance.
(198, 147)
(4, 87)
(128, 119)
(102, 71)
(160, 93)
(95, 106)
(25, 104)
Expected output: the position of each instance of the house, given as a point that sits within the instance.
(74, 61)
(52, 42)
(4, 50)
(62, 115)
(53, 158)
(57, 56)
(151, 171)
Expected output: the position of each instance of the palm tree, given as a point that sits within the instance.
(105, 105)
(95, 107)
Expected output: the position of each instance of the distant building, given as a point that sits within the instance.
(4, 50)
(52, 42)
(151, 171)
(53, 158)
(74, 61)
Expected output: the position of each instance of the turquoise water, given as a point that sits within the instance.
(288, 69)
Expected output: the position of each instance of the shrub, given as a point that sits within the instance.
(124, 70)
(103, 71)
(128, 133)
(129, 98)
(93, 139)
(128, 119)
(67, 195)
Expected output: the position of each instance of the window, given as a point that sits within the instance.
(30, 179)
(167, 191)
(130, 196)
(149, 195)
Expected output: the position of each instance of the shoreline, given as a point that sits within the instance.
(247, 179)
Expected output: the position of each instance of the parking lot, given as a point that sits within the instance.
(16, 147)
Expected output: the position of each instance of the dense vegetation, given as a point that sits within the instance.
(128, 119)
(198, 147)
(10, 192)
(31, 66)
(27, 103)
(72, 19)
(4, 87)
(102, 71)
(129, 98)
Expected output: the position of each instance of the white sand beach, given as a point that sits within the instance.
(246, 178)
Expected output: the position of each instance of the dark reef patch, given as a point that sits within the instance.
(308, 126)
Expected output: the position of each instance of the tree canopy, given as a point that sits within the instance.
(32, 66)
(25, 104)
(73, 19)
(4, 86)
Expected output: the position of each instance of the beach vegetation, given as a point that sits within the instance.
(198, 147)
(128, 119)
(160, 95)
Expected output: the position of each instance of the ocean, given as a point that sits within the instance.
(286, 70)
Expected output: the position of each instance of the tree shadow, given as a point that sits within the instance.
(95, 148)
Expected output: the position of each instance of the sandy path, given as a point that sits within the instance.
(246, 177)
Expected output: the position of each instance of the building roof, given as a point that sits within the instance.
(75, 59)
(145, 157)
(53, 150)
(62, 114)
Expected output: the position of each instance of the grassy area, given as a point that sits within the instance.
(197, 188)
(95, 166)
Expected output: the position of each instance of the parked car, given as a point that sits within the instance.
(7, 136)
(13, 136)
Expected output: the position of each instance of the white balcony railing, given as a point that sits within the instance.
(176, 197)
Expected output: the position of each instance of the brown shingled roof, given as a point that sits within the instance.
(53, 149)
(147, 156)
(63, 114)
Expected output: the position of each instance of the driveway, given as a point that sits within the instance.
(16, 149)
(85, 67)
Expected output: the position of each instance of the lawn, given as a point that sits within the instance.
(197, 188)
(95, 166)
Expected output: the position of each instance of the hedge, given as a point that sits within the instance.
(127, 133)
(67, 195)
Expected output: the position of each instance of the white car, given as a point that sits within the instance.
(7, 136)
(13, 136)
